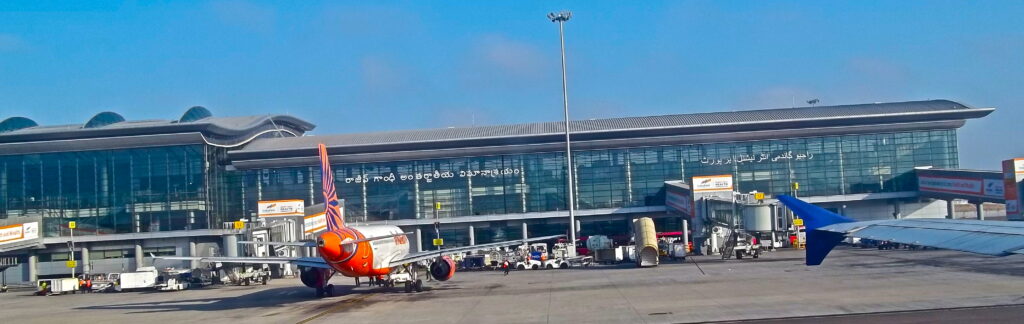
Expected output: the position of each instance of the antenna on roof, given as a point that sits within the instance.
(813, 102)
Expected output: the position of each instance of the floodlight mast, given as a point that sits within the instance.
(560, 18)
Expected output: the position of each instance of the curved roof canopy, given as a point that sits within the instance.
(103, 119)
(195, 113)
(16, 123)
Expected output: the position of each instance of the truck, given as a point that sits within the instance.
(142, 278)
(171, 279)
(57, 286)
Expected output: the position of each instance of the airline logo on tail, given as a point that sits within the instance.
(332, 208)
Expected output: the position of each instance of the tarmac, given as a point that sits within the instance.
(854, 285)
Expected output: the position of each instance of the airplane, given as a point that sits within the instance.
(826, 229)
(360, 250)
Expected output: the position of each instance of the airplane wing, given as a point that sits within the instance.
(302, 262)
(302, 243)
(826, 229)
(313, 244)
(426, 255)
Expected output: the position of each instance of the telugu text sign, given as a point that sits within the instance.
(276, 208)
(712, 183)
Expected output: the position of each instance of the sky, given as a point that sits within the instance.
(361, 66)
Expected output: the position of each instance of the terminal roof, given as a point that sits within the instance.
(619, 128)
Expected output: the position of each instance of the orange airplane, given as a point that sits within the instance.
(376, 251)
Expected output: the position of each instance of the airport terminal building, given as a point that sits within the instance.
(169, 186)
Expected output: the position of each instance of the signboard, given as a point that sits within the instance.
(994, 188)
(798, 222)
(712, 183)
(963, 186)
(679, 201)
(280, 208)
(438, 242)
(758, 196)
(239, 225)
(72, 224)
(19, 232)
(1013, 174)
(314, 223)
(71, 264)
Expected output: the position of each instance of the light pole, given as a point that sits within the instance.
(561, 18)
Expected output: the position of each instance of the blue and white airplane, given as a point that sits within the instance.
(825, 229)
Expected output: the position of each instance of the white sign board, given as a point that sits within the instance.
(712, 183)
(19, 232)
(278, 208)
(950, 185)
(314, 223)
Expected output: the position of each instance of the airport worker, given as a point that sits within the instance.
(504, 265)
(43, 287)
(88, 285)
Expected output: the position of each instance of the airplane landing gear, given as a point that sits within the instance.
(418, 285)
(329, 290)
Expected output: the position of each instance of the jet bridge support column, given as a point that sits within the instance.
(950, 210)
(419, 239)
(193, 264)
(139, 257)
(981, 210)
(524, 231)
(472, 237)
(33, 266)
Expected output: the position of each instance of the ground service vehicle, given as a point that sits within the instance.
(142, 278)
(380, 251)
(58, 286)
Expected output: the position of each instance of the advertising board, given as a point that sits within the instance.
(280, 208)
(712, 183)
(19, 232)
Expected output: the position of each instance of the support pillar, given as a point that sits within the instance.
(472, 236)
(419, 239)
(193, 264)
(896, 212)
(981, 210)
(33, 266)
(686, 235)
(139, 257)
(950, 211)
(525, 235)
(86, 269)
(230, 243)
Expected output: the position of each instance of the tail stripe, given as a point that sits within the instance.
(332, 207)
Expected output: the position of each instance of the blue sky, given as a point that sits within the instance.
(369, 66)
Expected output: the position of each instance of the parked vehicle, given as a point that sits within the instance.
(142, 278)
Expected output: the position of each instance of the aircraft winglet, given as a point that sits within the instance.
(819, 243)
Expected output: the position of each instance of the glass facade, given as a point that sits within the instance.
(610, 178)
(189, 187)
(112, 191)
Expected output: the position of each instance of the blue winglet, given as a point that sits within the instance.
(819, 243)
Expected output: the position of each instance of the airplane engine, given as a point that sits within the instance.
(330, 247)
(443, 268)
(313, 277)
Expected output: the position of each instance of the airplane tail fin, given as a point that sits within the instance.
(332, 207)
(819, 243)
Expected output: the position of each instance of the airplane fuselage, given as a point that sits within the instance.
(363, 259)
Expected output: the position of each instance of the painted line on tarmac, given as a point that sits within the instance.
(865, 314)
(341, 306)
